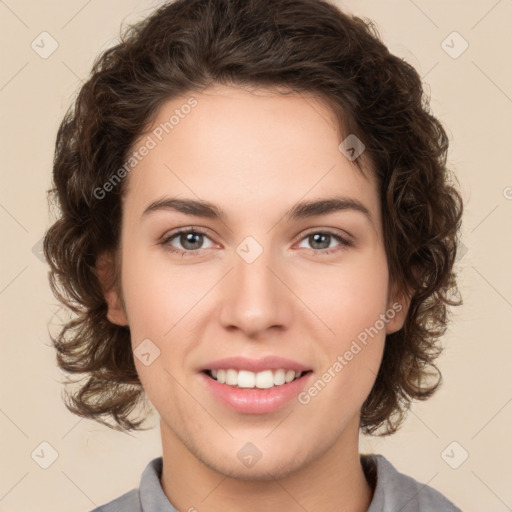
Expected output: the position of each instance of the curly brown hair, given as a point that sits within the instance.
(304, 46)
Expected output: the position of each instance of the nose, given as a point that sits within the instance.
(255, 297)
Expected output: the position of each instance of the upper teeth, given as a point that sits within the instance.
(246, 379)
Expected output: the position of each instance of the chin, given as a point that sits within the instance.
(267, 468)
(261, 471)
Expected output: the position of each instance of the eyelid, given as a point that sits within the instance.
(186, 229)
(344, 242)
(328, 231)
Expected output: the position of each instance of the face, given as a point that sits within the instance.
(265, 283)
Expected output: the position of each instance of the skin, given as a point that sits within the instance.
(255, 154)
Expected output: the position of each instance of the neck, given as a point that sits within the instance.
(335, 482)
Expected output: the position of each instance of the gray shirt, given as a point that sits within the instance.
(394, 491)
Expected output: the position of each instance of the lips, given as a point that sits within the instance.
(255, 386)
(256, 365)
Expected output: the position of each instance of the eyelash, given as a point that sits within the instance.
(192, 253)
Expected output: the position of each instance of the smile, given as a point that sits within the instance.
(265, 379)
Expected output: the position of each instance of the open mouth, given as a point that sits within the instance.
(245, 379)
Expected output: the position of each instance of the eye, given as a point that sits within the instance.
(191, 240)
(320, 241)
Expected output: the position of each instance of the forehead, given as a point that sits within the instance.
(246, 149)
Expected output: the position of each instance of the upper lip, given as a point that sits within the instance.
(255, 365)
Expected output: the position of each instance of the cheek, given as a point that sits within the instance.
(163, 304)
(156, 295)
(344, 383)
(350, 300)
(349, 297)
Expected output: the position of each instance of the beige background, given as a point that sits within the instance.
(471, 94)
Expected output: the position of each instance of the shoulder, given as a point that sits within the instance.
(128, 502)
(148, 497)
(396, 491)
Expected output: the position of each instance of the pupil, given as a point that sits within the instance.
(189, 240)
(317, 239)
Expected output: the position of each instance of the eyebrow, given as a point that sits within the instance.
(302, 210)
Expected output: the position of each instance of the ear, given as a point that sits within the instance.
(107, 274)
(399, 302)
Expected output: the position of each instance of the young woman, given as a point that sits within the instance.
(257, 234)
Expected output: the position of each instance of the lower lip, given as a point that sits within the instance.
(255, 401)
